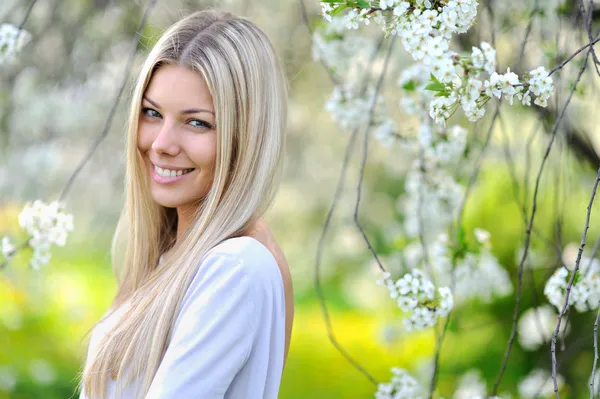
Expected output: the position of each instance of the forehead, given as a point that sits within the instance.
(178, 86)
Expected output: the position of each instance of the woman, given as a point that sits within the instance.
(204, 303)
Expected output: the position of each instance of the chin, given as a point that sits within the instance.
(168, 201)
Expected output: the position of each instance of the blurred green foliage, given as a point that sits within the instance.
(45, 315)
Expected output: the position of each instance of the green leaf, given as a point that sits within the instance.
(363, 4)
(338, 10)
(409, 86)
(435, 87)
(329, 1)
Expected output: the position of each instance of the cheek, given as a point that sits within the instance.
(144, 137)
(204, 152)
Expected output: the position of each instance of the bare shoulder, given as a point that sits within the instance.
(261, 232)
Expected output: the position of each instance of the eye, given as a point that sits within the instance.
(152, 113)
(200, 124)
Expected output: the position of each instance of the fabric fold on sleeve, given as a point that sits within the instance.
(214, 332)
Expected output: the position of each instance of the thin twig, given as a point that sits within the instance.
(372, 106)
(527, 33)
(420, 201)
(108, 122)
(571, 280)
(592, 256)
(319, 256)
(324, 231)
(304, 14)
(529, 229)
(491, 14)
(19, 247)
(512, 171)
(436, 356)
(515, 184)
(593, 379)
(588, 27)
(27, 13)
(565, 62)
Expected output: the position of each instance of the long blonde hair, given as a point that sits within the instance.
(249, 93)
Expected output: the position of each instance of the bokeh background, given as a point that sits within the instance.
(54, 101)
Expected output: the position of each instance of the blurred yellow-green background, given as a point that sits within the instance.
(55, 100)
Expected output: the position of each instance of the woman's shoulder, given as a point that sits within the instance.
(248, 255)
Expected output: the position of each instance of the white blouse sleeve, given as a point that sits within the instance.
(214, 331)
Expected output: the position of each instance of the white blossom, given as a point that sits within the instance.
(536, 326)
(585, 292)
(385, 132)
(12, 41)
(8, 378)
(541, 85)
(326, 10)
(484, 58)
(430, 201)
(470, 386)
(42, 372)
(416, 295)
(7, 248)
(441, 107)
(401, 386)
(46, 225)
(538, 384)
(482, 236)
(352, 19)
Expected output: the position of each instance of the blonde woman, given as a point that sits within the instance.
(204, 303)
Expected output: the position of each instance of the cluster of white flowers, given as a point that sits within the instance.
(401, 386)
(536, 327)
(540, 84)
(429, 203)
(12, 40)
(585, 292)
(539, 384)
(45, 225)
(470, 386)
(432, 195)
(476, 274)
(425, 32)
(416, 295)
(421, 18)
(347, 107)
(8, 249)
(442, 146)
(347, 55)
(483, 59)
(472, 94)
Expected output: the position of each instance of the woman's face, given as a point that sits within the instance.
(177, 136)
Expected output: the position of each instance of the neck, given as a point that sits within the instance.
(184, 219)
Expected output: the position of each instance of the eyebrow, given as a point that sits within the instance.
(185, 111)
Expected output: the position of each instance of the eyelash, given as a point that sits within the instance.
(145, 111)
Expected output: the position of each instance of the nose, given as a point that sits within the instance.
(167, 141)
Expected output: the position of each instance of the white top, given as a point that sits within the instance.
(229, 337)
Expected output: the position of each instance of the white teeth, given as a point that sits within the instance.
(170, 173)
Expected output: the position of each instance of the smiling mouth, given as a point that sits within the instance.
(171, 173)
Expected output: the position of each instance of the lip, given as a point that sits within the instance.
(170, 167)
(168, 180)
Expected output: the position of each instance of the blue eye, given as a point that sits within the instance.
(152, 113)
(199, 123)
